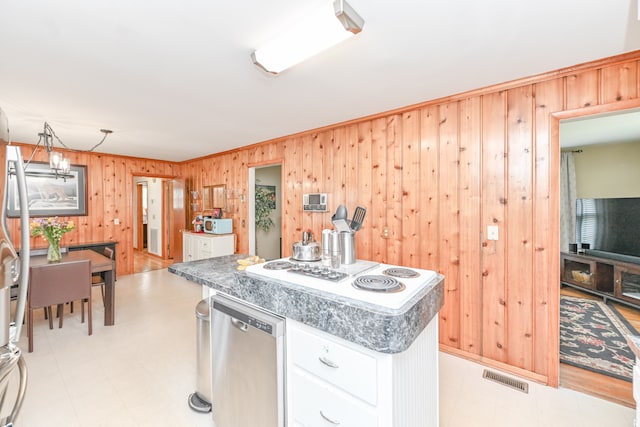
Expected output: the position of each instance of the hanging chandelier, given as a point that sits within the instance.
(60, 165)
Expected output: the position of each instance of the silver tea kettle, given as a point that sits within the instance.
(307, 237)
(307, 249)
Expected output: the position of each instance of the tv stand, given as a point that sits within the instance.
(606, 277)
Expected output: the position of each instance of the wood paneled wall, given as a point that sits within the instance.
(435, 176)
(110, 192)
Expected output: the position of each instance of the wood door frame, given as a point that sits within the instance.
(139, 216)
(554, 206)
(251, 168)
(164, 224)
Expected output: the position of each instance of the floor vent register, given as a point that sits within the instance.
(507, 381)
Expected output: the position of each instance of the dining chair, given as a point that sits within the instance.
(98, 279)
(47, 310)
(57, 284)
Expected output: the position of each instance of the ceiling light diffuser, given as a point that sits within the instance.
(326, 26)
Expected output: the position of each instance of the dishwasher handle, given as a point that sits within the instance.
(244, 316)
(239, 324)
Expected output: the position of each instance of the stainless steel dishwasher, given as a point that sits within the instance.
(247, 356)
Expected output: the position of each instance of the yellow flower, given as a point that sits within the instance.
(51, 229)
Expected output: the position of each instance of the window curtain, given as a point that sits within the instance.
(567, 201)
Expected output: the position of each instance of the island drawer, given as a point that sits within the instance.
(342, 366)
(316, 403)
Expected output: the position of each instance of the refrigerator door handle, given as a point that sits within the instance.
(22, 388)
(15, 157)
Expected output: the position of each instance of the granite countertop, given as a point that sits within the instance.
(378, 328)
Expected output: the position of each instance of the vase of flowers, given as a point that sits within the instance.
(51, 229)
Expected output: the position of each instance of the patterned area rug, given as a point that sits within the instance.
(593, 337)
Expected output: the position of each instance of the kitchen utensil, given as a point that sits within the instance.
(307, 249)
(326, 248)
(358, 218)
(307, 237)
(336, 250)
(339, 219)
(306, 253)
(342, 225)
(347, 247)
(341, 213)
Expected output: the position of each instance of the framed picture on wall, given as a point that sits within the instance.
(49, 195)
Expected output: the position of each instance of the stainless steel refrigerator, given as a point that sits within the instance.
(14, 280)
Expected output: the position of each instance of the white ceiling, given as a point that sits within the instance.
(609, 128)
(174, 79)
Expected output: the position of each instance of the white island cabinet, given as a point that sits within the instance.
(331, 381)
(196, 246)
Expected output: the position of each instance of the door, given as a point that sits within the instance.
(177, 218)
(141, 216)
(266, 209)
(165, 215)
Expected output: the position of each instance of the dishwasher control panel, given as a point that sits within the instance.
(260, 325)
(244, 318)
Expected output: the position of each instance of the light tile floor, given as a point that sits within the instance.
(141, 371)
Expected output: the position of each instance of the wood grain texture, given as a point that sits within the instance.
(548, 98)
(434, 176)
(493, 210)
(470, 310)
(519, 223)
(109, 196)
(449, 225)
(619, 82)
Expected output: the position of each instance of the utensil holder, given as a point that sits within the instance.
(348, 247)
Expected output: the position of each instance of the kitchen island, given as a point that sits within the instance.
(378, 364)
(371, 326)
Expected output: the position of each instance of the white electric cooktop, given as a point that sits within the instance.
(404, 282)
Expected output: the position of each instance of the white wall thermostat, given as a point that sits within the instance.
(314, 202)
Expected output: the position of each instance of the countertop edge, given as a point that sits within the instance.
(377, 328)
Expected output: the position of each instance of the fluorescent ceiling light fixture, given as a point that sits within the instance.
(323, 28)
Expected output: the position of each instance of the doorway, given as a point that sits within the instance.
(598, 163)
(158, 222)
(265, 211)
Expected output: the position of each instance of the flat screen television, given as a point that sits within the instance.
(610, 226)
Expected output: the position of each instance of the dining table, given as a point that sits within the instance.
(99, 264)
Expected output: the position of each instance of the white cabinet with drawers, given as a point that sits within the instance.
(197, 246)
(331, 381)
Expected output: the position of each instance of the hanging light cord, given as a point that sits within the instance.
(48, 144)
(47, 127)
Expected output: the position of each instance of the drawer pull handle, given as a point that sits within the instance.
(328, 362)
(334, 422)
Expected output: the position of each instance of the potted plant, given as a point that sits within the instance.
(264, 203)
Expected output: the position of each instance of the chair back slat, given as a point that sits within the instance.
(108, 252)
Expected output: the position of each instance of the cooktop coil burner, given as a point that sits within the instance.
(277, 265)
(378, 283)
(403, 273)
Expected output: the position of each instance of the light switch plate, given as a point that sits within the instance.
(492, 232)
